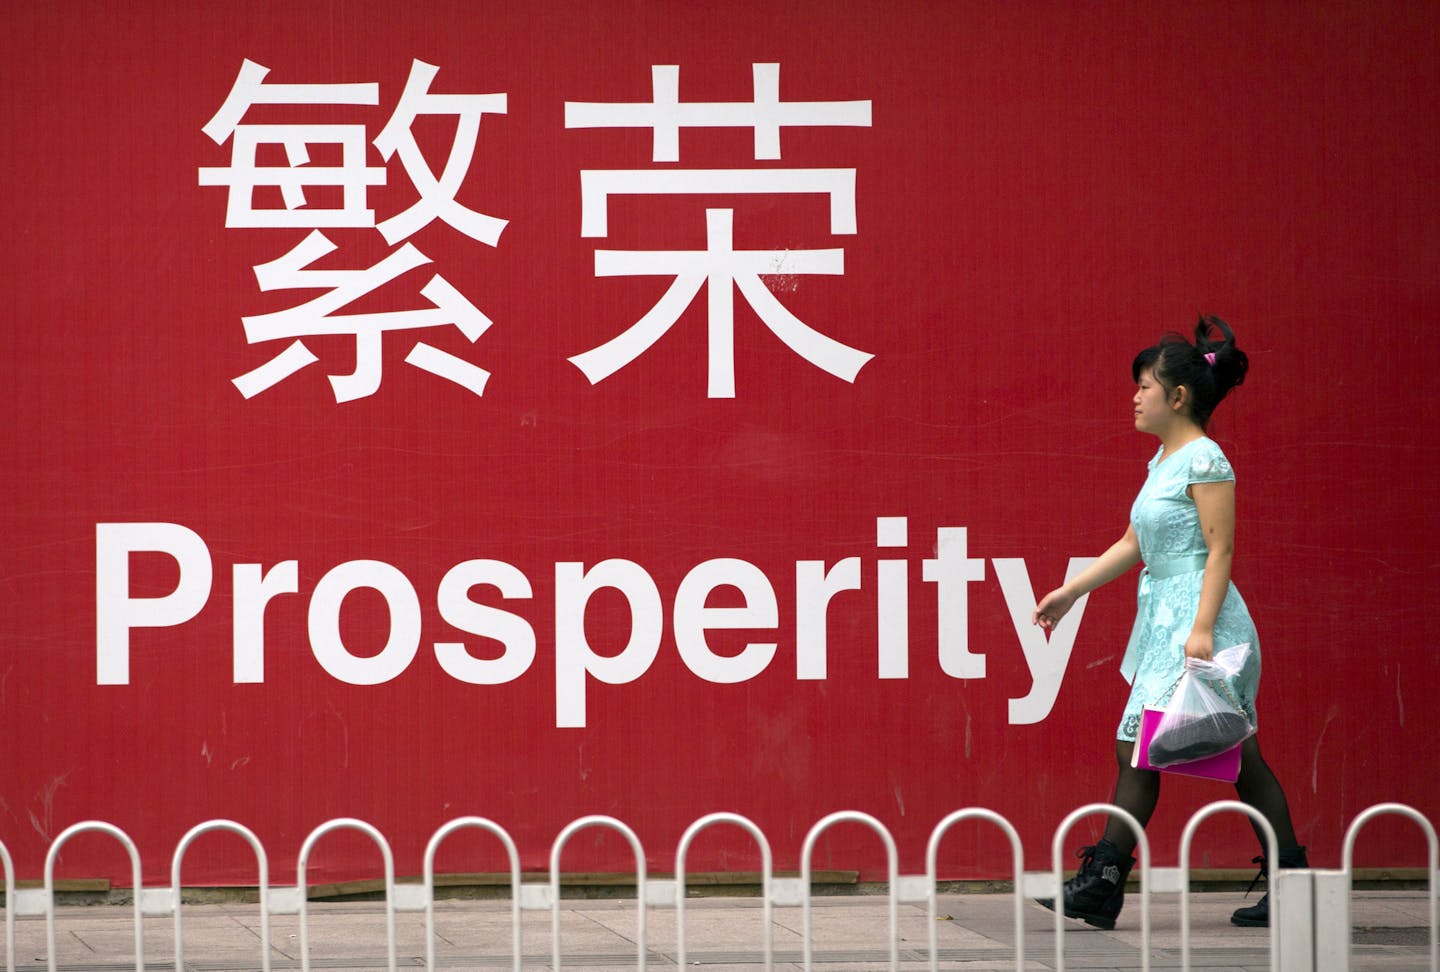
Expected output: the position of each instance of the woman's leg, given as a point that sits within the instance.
(1258, 787)
(1097, 891)
(1137, 791)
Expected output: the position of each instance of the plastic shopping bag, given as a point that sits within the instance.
(1203, 717)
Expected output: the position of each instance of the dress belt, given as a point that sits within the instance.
(1163, 567)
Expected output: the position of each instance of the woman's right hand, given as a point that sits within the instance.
(1052, 608)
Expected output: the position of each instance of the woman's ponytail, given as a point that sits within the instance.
(1216, 344)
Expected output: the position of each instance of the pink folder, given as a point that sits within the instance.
(1224, 767)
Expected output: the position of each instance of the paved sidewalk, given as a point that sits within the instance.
(850, 934)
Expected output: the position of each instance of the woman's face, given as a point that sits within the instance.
(1153, 411)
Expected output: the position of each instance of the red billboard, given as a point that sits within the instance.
(650, 409)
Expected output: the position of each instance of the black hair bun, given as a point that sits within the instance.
(1213, 337)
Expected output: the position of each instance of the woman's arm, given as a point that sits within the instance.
(1215, 503)
(1122, 555)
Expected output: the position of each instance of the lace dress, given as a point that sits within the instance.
(1168, 527)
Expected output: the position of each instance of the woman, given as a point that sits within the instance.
(1182, 526)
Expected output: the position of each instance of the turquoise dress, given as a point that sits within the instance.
(1174, 552)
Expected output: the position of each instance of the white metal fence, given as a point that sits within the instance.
(1310, 909)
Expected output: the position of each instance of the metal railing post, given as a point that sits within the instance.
(97, 826)
(766, 866)
(851, 816)
(511, 853)
(1271, 851)
(263, 865)
(9, 907)
(1056, 855)
(345, 823)
(1017, 854)
(1432, 866)
(570, 830)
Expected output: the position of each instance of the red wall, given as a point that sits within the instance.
(1041, 190)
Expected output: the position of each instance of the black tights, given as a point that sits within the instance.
(1138, 791)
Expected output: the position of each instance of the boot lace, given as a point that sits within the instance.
(1259, 874)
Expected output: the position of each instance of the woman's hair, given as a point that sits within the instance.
(1209, 368)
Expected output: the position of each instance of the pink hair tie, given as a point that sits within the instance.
(1210, 358)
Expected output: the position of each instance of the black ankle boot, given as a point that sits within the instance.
(1258, 914)
(1096, 893)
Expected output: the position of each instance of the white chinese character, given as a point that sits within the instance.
(294, 270)
(316, 317)
(717, 267)
(437, 196)
(245, 174)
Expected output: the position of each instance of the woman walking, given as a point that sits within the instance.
(1182, 527)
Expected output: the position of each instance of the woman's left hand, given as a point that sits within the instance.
(1200, 645)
